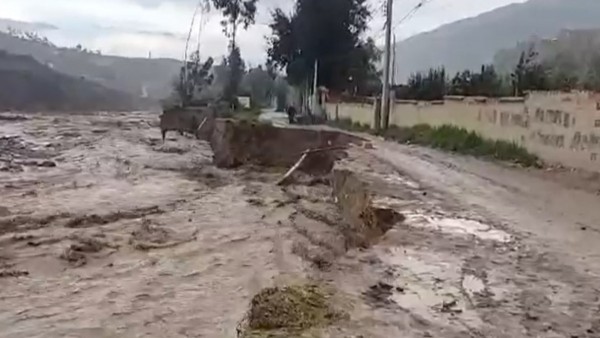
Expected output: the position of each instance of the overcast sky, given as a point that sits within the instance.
(137, 27)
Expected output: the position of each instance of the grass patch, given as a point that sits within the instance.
(348, 124)
(245, 114)
(288, 311)
(454, 139)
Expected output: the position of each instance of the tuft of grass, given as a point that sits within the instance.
(348, 124)
(288, 311)
(454, 139)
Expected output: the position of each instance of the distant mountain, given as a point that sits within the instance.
(27, 85)
(468, 43)
(141, 77)
(571, 59)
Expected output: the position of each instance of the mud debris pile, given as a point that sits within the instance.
(288, 311)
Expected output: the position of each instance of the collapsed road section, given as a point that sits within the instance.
(420, 257)
(262, 232)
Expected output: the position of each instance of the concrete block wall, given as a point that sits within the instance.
(559, 127)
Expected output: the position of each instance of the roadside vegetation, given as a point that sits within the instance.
(450, 138)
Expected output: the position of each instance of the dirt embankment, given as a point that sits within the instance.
(236, 143)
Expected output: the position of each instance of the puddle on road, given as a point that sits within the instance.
(423, 281)
(459, 226)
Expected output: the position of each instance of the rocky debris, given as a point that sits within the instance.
(171, 149)
(73, 257)
(13, 117)
(86, 221)
(10, 166)
(76, 253)
(14, 147)
(379, 294)
(37, 163)
(149, 236)
(15, 153)
(450, 307)
(23, 223)
(13, 273)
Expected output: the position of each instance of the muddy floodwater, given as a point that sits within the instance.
(107, 232)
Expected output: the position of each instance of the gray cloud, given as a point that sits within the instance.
(133, 27)
(5, 24)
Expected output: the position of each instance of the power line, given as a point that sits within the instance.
(411, 13)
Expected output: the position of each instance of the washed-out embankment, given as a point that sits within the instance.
(237, 143)
(321, 154)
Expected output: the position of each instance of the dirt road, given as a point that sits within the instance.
(106, 232)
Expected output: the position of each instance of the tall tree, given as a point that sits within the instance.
(236, 13)
(260, 85)
(194, 77)
(529, 74)
(330, 32)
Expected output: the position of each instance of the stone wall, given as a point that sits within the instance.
(559, 127)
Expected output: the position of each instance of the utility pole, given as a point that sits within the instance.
(315, 102)
(393, 82)
(386, 70)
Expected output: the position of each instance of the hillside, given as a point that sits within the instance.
(137, 76)
(573, 49)
(468, 43)
(570, 60)
(27, 85)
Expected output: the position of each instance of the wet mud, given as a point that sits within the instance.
(128, 236)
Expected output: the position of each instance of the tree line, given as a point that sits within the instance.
(530, 73)
(330, 33)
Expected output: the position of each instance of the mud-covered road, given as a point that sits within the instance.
(107, 232)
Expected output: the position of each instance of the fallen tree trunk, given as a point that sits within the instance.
(285, 179)
(289, 173)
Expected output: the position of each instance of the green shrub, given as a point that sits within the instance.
(453, 139)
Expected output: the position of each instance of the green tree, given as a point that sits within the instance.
(194, 77)
(486, 82)
(330, 32)
(235, 73)
(259, 84)
(426, 86)
(591, 80)
(237, 13)
(529, 74)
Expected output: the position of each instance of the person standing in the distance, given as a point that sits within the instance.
(291, 113)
